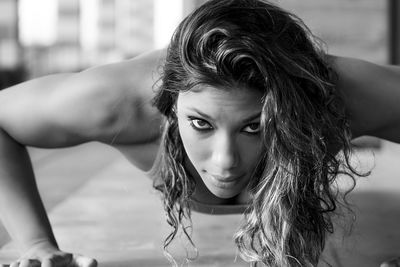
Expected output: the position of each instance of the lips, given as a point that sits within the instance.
(225, 182)
(226, 179)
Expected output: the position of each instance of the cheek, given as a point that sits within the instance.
(250, 152)
(196, 149)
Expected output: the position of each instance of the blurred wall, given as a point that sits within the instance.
(11, 70)
(93, 32)
(87, 35)
(351, 28)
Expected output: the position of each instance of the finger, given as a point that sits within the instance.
(57, 260)
(24, 263)
(29, 263)
(391, 263)
(47, 263)
(81, 261)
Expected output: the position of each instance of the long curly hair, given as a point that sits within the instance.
(257, 45)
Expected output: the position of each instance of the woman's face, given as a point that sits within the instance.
(220, 131)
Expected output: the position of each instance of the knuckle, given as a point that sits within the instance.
(85, 261)
(46, 263)
(391, 263)
(93, 263)
(27, 263)
(58, 259)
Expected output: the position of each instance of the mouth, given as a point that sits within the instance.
(225, 181)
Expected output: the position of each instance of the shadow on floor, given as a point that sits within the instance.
(375, 236)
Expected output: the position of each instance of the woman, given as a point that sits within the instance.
(252, 115)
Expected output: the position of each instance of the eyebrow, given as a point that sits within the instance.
(248, 119)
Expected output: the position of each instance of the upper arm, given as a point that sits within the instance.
(109, 103)
(371, 94)
(26, 111)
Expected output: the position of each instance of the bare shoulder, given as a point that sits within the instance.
(371, 93)
(118, 100)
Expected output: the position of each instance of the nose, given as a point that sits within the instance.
(225, 154)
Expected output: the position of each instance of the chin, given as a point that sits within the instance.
(226, 194)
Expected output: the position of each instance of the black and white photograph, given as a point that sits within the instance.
(201, 133)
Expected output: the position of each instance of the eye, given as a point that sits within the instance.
(252, 128)
(199, 124)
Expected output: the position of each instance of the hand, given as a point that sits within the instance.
(45, 254)
(395, 262)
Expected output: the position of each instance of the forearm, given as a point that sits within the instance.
(21, 208)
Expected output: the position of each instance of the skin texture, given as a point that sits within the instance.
(220, 133)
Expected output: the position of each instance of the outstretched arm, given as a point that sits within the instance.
(110, 104)
(371, 94)
(21, 208)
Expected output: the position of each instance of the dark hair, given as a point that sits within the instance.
(259, 46)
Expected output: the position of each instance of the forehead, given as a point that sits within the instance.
(213, 99)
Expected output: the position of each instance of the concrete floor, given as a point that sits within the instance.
(103, 207)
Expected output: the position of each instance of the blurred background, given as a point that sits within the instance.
(47, 36)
